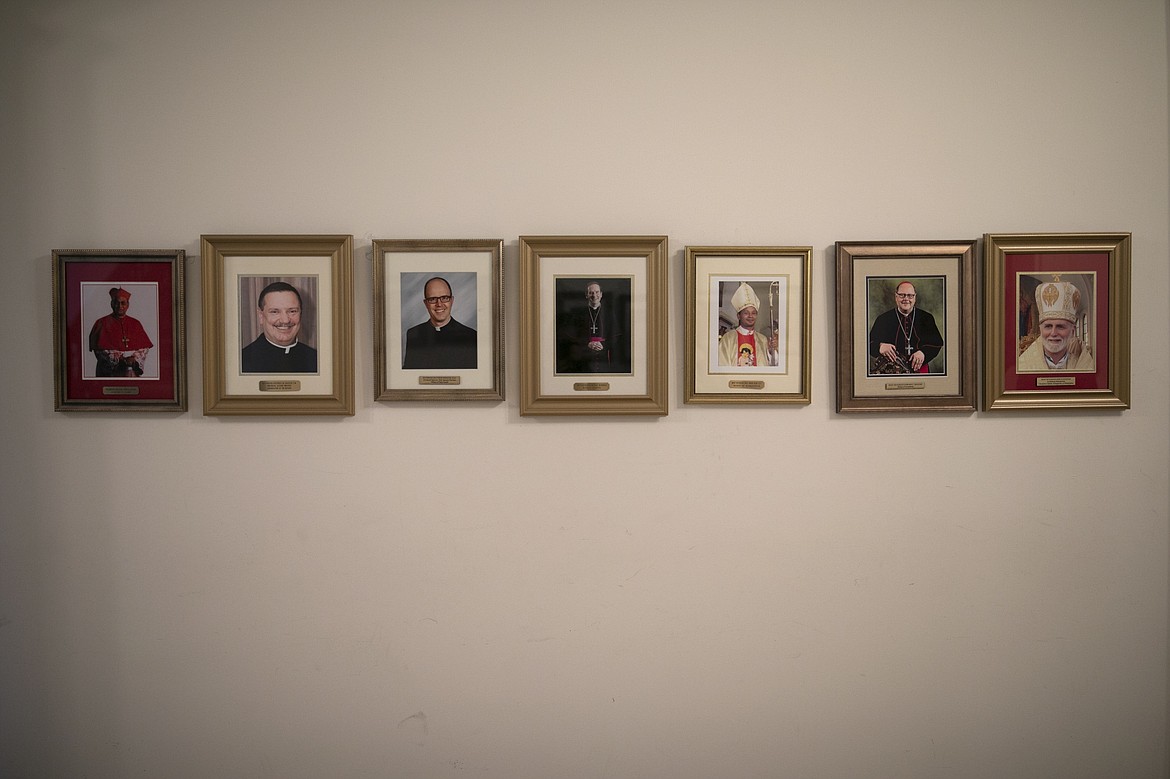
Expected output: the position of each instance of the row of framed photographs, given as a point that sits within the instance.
(278, 324)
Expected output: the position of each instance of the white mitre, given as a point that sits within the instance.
(1058, 299)
(745, 296)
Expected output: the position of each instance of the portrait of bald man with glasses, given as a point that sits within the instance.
(441, 342)
(905, 338)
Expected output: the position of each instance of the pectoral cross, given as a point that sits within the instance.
(593, 321)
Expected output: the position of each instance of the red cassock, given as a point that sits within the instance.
(125, 334)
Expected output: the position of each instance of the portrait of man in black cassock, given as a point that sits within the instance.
(904, 334)
(446, 337)
(593, 325)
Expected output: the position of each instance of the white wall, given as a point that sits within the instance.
(440, 590)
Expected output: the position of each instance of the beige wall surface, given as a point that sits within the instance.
(445, 589)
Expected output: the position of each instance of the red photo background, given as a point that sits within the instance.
(77, 341)
(1044, 264)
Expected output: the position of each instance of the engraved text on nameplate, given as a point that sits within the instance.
(280, 386)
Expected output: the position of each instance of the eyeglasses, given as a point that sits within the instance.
(906, 295)
(437, 299)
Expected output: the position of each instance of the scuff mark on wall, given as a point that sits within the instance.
(416, 726)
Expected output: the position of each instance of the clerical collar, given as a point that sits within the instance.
(286, 349)
(742, 331)
(1055, 364)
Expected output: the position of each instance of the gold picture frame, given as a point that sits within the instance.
(578, 358)
(294, 356)
(725, 284)
(1038, 285)
(463, 359)
(905, 315)
(119, 330)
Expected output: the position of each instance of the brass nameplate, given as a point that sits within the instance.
(119, 390)
(439, 381)
(1056, 381)
(280, 386)
(590, 386)
(905, 385)
(745, 384)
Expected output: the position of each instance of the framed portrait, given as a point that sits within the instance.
(1056, 313)
(747, 324)
(906, 326)
(119, 331)
(593, 325)
(439, 319)
(277, 324)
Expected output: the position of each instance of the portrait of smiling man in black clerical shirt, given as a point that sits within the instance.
(441, 342)
(593, 325)
(278, 348)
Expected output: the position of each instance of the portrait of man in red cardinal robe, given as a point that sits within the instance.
(119, 342)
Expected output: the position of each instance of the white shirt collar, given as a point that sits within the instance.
(286, 349)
